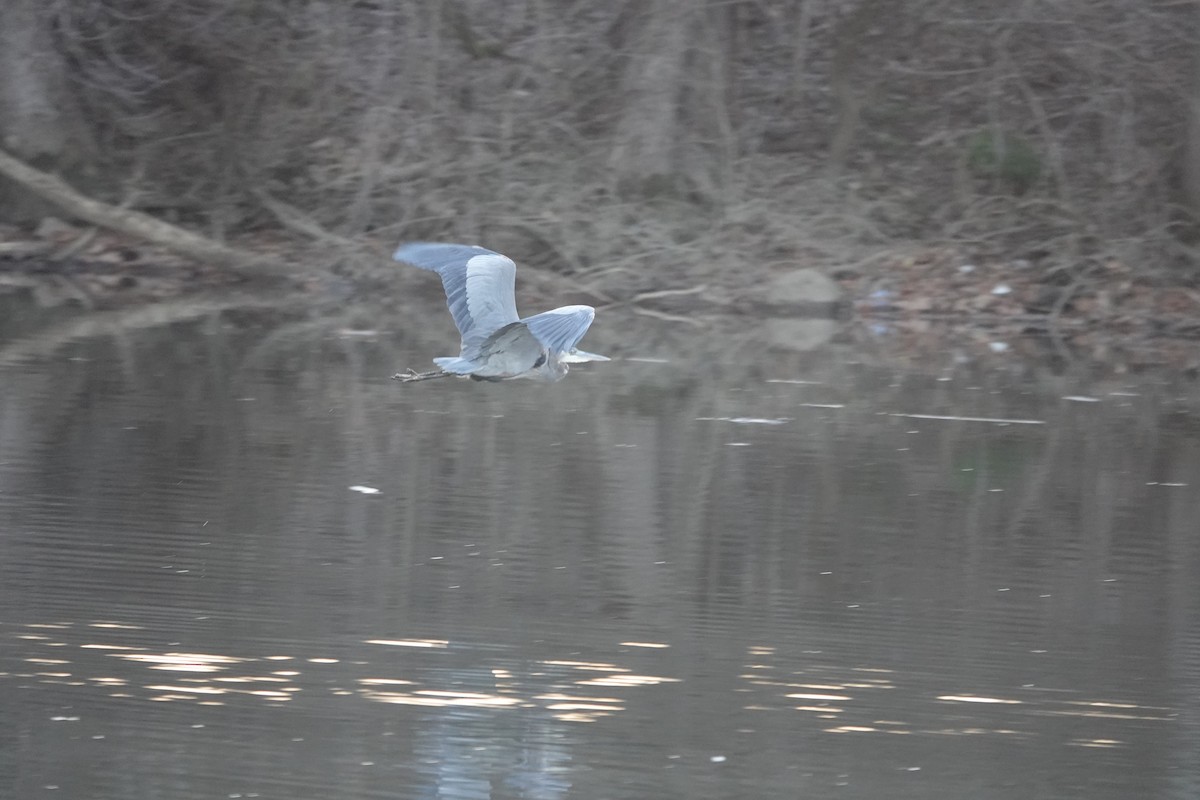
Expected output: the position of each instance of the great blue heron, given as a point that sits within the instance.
(496, 343)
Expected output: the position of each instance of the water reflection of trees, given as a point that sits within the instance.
(843, 537)
(618, 453)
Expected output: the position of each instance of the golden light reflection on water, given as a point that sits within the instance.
(186, 689)
(183, 662)
(214, 679)
(562, 688)
(579, 707)
(116, 647)
(570, 716)
(824, 687)
(566, 702)
(627, 680)
(435, 698)
(975, 731)
(966, 698)
(565, 706)
(1050, 712)
(586, 665)
(856, 729)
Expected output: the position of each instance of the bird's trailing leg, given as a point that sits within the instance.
(412, 375)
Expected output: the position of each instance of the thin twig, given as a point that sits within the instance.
(75, 246)
(296, 220)
(1052, 326)
(649, 312)
(661, 293)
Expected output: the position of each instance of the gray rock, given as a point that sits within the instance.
(803, 291)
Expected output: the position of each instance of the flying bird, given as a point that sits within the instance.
(496, 343)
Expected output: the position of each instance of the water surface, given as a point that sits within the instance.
(237, 561)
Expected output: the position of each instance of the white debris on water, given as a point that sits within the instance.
(993, 420)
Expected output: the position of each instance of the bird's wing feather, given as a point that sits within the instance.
(459, 366)
(508, 352)
(561, 329)
(479, 284)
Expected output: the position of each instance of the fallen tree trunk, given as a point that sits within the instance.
(133, 223)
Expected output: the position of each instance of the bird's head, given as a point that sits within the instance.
(577, 356)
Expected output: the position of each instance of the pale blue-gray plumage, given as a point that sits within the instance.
(496, 343)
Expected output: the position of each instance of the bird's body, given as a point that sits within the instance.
(496, 343)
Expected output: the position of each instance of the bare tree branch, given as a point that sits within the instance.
(128, 221)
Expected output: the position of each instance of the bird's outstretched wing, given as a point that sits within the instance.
(561, 329)
(479, 284)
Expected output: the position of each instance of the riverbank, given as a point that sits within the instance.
(910, 301)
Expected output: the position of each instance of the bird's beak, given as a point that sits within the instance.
(574, 356)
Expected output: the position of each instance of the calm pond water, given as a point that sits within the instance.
(236, 560)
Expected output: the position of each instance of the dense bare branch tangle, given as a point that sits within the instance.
(700, 130)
